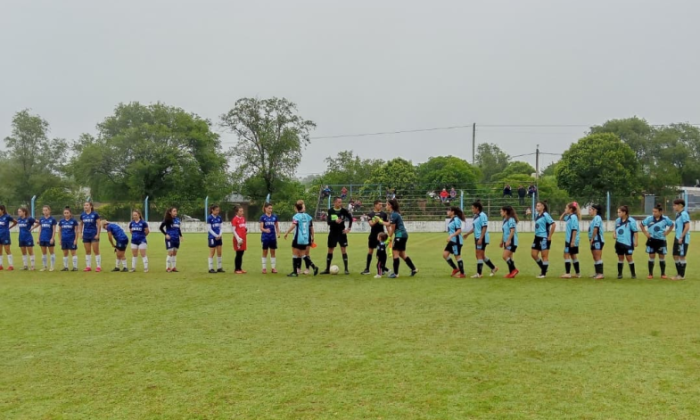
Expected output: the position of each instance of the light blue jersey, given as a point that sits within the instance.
(303, 223)
(572, 229)
(625, 230)
(543, 222)
(657, 227)
(682, 219)
(481, 220)
(508, 225)
(455, 225)
(597, 222)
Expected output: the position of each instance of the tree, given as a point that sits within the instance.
(33, 163)
(514, 168)
(676, 149)
(348, 169)
(447, 171)
(271, 137)
(398, 173)
(157, 151)
(597, 164)
(635, 132)
(491, 160)
(550, 169)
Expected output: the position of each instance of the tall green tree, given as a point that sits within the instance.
(596, 164)
(491, 160)
(271, 137)
(635, 132)
(514, 168)
(349, 169)
(152, 150)
(447, 171)
(398, 173)
(33, 163)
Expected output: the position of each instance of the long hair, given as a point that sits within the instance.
(625, 210)
(394, 203)
(137, 211)
(477, 205)
(458, 213)
(545, 207)
(24, 211)
(168, 218)
(510, 212)
(3, 209)
(598, 209)
(92, 208)
(212, 208)
(573, 206)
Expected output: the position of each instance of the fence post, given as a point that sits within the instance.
(33, 202)
(608, 207)
(685, 197)
(267, 199)
(206, 208)
(534, 207)
(461, 200)
(145, 209)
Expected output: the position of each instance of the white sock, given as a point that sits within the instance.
(167, 262)
(211, 263)
(10, 261)
(133, 262)
(218, 262)
(53, 260)
(88, 261)
(75, 261)
(173, 259)
(32, 260)
(65, 262)
(44, 260)
(124, 263)
(116, 264)
(273, 263)
(264, 262)
(24, 260)
(145, 262)
(98, 260)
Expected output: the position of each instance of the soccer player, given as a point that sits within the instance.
(26, 240)
(302, 223)
(397, 230)
(382, 241)
(139, 231)
(240, 238)
(214, 223)
(571, 215)
(377, 218)
(69, 238)
(596, 239)
(270, 228)
(656, 228)
(510, 239)
(455, 241)
(481, 239)
(544, 229)
(47, 238)
(307, 253)
(6, 223)
(90, 232)
(119, 241)
(170, 227)
(338, 233)
(626, 240)
(682, 239)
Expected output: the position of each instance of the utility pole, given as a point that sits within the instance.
(474, 144)
(537, 163)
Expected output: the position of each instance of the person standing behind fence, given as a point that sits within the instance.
(682, 240)
(397, 230)
(656, 228)
(170, 227)
(455, 241)
(139, 230)
(510, 239)
(596, 239)
(270, 228)
(481, 240)
(544, 229)
(626, 240)
(571, 215)
(47, 239)
(377, 218)
(338, 233)
(240, 238)
(522, 192)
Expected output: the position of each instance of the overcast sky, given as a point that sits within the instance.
(361, 66)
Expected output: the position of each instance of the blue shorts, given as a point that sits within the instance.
(541, 244)
(90, 238)
(5, 241)
(137, 241)
(172, 244)
(26, 244)
(597, 246)
(269, 244)
(481, 247)
(68, 246)
(46, 244)
(213, 243)
(121, 245)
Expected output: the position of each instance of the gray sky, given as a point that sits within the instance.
(361, 66)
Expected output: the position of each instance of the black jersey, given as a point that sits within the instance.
(377, 228)
(333, 217)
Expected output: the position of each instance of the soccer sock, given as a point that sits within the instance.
(273, 263)
(577, 267)
(294, 264)
(53, 260)
(211, 263)
(167, 262)
(32, 260)
(116, 264)
(567, 266)
(600, 263)
(24, 260)
(44, 260)
(683, 267)
(75, 261)
(650, 265)
(345, 261)
(540, 264)
(511, 265)
(451, 263)
(460, 263)
(545, 267)
(596, 266)
(88, 261)
(369, 261)
(124, 265)
(308, 262)
(632, 269)
(620, 266)
(219, 263)
(10, 260)
(489, 264)
(65, 262)
(145, 262)
(173, 261)
(134, 261)
(98, 260)
(239, 261)
(662, 267)
(264, 263)
(479, 266)
(409, 263)
(329, 260)
(397, 261)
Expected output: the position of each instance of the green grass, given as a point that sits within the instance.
(197, 346)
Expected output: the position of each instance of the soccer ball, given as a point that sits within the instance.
(335, 269)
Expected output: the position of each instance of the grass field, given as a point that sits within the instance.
(192, 345)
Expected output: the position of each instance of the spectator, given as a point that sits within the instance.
(351, 208)
(343, 193)
(326, 192)
(507, 191)
(443, 195)
(522, 192)
(358, 204)
(532, 191)
(528, 213)
(453, 193)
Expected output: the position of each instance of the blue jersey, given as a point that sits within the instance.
(48, 226)
(25, 225)
(268, 222)
(597, 222)
(399, 228)
(625, 230)
(68, 229)
(172, 229)
(452, 228)
(657, 227)
(214, 223)
(509, 224)
(138, 231)
(682, 219)
(117, 233)
(481, 220)
(90, 223)
(543, 223)
(5, 221)
(572, 229)
(303, 223)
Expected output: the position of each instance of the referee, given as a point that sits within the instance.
(337, 233)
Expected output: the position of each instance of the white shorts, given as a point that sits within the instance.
(142, 245)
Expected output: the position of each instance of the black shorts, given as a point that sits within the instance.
(597, 246)
(300, 247)
(657, 246)
(454, 249)
(172, 244)
(337, 239)
(571, 250)
(622, 249)
(399, 244)
(481, 247)
(47, 244)
(213, 243)
(541, 244)
(68, 246)
(121, 246)
(680, 250)
(269, 244)
(511, 248)
(373, 242)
